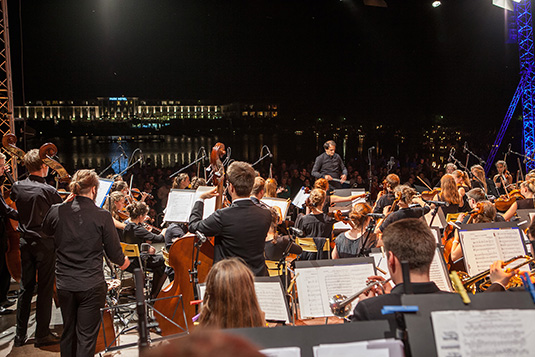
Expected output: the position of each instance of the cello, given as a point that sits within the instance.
(13, 261)
(182, 260)
(46, 152)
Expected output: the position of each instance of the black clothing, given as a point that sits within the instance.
(6, 212)
(329, 165)
(451, 209)
(137, 234)
(175, 230)
(327, 203)
(350, 248)
(317, 226)
(33, 197)
(80, 311)
(275, 251)
(240, 231)
(82, 232)
(370, 309)
(259, 203)
(383, 201)
(527, 203)
(408, 212)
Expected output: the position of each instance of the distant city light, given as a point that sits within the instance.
(436, 3)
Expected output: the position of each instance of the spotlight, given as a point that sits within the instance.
(436, 3)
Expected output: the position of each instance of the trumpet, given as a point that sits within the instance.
(341, 305)
(469, 283)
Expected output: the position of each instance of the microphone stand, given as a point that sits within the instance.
(110, 165)
(371, 227)
(481, 161)
(262, 157)
(282, 263)
(525, 157)
(370, 178)
(194, 272)
(185, 167)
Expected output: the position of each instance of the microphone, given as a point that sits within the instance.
(269, 152)
(376, 215)
(298, 232)
(438, 203)
(372, 148)
(465, 147)
(201, 236)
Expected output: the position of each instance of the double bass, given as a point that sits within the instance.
(182, 259)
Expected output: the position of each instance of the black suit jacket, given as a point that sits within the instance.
(240, 231)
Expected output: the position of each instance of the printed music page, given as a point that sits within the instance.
(374, 348)
(209, 205)
(279, 202)
(480, 250)
(501, 333)
(179, 206)
(510, 245)
(102, 192)
(308, 288)
(271, 300)
(438, 273)
(300, 198)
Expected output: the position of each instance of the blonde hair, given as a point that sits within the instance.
(316, 198)
(83, 181)
(406, 192)
(137, 209)
(270, 187)
(225, 305)
(529, 184)
(359, 213)
(32, 160)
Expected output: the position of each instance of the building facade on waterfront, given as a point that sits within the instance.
(132, 108)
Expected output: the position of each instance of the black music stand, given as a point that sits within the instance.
(306, 337)
(419, 325)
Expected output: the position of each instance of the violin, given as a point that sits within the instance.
(428, 195)
(339, 217)
(504, 202)
(46, 152)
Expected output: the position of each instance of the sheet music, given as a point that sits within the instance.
(316, 286)
(509, 242)
(375, 348)
(310, 298)
(360, 199)
(209, 204)
(279, 202)
(438, 273)
(179, 205)
(480, 250)
(271, 300)
(102, 192)
(282, 352)
(484, 333)
(300, 198)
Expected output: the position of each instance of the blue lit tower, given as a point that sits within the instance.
(525, 88)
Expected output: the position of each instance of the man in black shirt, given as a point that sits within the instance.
(81, 231)
(240, 230)
(330, 166)
(6, 213)
(33, 197)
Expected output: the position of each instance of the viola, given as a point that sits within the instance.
(218, 171)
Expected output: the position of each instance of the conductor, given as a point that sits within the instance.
(329, 165)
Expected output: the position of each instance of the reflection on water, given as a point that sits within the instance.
(98, 152)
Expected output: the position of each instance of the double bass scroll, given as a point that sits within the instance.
(46, 152)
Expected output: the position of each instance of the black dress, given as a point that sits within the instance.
(350, 248)
(319, 227)
(275, 251)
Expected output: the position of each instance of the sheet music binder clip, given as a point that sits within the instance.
(459, 287)
(528, 284)
(392, 309)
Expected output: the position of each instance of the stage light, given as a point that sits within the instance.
(436, 3)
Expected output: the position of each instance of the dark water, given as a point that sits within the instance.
(97, 152)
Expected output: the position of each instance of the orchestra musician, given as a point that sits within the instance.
(329, 165)
(330, 198)
(257, 193)
(33, 197)
(6, 213)
(351, 243)
(527, 189)
(463, 185)
(81, 230)
(409, 240)
(502, 177)
(449, 194)
(387, 198)
(409, 196)
(115, 204)
(230, 300)
(480, 180)
(270, 188)
(276, 244)
(450, 167)
(315, 224)
(240, 229)
(474, 196)
(181, 181)
(136, 233)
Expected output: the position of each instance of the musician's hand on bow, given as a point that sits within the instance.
(209, 194)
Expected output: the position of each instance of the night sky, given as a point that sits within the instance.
(409, 61)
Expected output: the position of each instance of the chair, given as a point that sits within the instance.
(273, 270)
(452, 217)
(309, 245)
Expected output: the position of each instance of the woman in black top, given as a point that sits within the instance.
(136, 233)
(316, 224)
(276, 244)
(527, 189)
(449, 194)
(351, 243)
